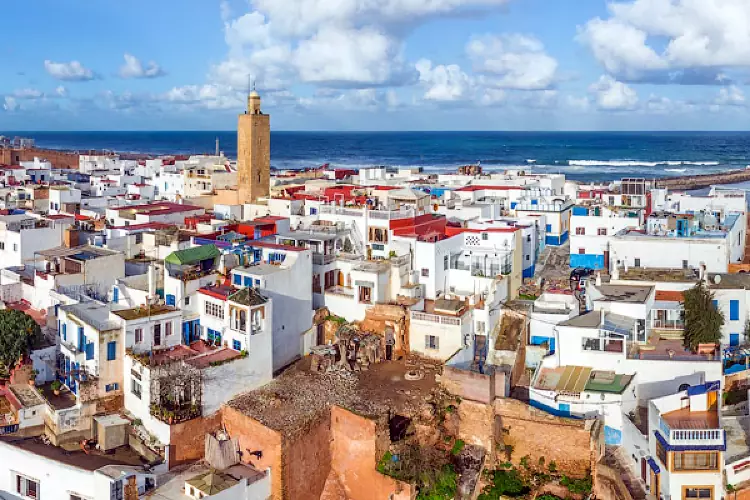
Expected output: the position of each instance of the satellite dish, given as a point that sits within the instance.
(717, 279)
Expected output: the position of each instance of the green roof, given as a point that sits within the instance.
(192, 255)
(613, 383)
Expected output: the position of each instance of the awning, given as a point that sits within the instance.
(654, 466)
(193, 255)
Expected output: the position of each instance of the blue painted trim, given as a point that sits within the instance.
(556, 240)
(529, 271)
(589, 261)
(612, 436)
(552, 411)
(654, 466)
(710, 386)
(691, 447)
(583, 211)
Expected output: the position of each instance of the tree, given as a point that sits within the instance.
(18, 334)
(703, 321)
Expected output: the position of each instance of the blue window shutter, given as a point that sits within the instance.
(236, 345)
(237, 279)
(81, 339)
(111, 351)
(90, 351)
(734, 339)
(248, 281)
(170, 300)
(257, 283)
(115, 295)
(549, 228)
(734, 310)
(716, 304)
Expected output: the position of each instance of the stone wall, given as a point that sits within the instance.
(306, 462)
(59, 159)
(187, 440)
(354, 456)
(574, 445)
(471, 385)
(477, 424)
(382, 316)
(254, 436)
(703, 181)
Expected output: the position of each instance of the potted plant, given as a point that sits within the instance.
(32, 378)
(55, 386)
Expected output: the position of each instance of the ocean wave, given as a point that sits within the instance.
(638, 163)
(677, 170)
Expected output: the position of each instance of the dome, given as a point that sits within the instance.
(255, 94)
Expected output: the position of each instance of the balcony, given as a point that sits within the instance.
(438, 318)
(691, 428)
(667, 324)
(320, 259)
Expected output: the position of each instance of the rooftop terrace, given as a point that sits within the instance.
(144, 312)
(577, 379)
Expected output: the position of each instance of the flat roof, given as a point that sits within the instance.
(591, 319)
(26, 395)
(144, 312)
(655, 274)
(260, 269)
(686, 419)
(624, 293)
(90, 461)
(736, 429)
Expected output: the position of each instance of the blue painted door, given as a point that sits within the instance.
(552, 345)
(115, 295)
(564, 409)
(734, 339)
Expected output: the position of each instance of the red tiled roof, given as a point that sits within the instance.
(147, 225)
(669, 296)
(220, 292)
(60, 216)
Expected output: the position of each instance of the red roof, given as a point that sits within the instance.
(669, 296)
(220, 292)
(60, 216)
(147, 225)
(488, 188)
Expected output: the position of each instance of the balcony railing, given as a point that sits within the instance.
(437, 318)
(692, 437)
(667, 324)
(320, 259)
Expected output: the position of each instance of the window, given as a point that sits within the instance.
(528, 258)
(187, 301)
(581, 251)
(135, 388)
(431, 342)
(425, 272)
(215, 310)
(581, 231)
(684, 461)
(138, 238)
(637, 262)
(237, 279)
(112, 387)
(445, 263)
(65, 332)
(257, 283)
(734, 310)
(528, 238)
(661, 453)
(480, 327)
(602, 231)
(485, 236)
(2, 245)
(138, 335)
(236, 345)
(548, 228)
(15, 247)
(170, 300)
(89, 351)
(684, 264)
(698, 492)
(27, 487)
(111, 351)
(168, 328)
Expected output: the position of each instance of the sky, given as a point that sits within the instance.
(376, 64)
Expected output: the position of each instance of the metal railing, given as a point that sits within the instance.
(667, 324)
(320, 259)
(437, 318)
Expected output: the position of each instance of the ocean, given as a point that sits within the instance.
(584, 156)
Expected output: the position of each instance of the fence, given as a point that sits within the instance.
(436, 318)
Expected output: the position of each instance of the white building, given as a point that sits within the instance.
(22, 236)
(591, 228)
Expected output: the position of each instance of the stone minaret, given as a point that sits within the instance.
(253, 152)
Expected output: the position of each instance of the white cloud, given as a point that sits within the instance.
(209, 96)
(347, 56)
(28, 94)
(341, 43)
(72, 71)
(10, 104)
(578, 103)
(653, 39)
(517, 61)
(133, 68)
(444, 83)
(61, 91)
(730, 96)
(611, 95)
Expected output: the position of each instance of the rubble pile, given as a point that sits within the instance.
(354, 350)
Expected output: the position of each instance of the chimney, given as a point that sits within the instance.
(151, 281)
(598, 278)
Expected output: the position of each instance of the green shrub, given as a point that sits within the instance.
(582, 486)
(441, 485)
(458, 447)
(504, 483)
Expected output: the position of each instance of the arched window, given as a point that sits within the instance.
(683, 387)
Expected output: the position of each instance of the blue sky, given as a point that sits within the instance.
(377, 64)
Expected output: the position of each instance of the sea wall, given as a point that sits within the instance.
(702, 181)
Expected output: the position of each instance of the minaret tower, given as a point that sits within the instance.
(253, 152)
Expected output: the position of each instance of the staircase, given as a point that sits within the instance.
(480, 353)
(357, 239)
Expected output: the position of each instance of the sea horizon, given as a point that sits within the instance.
(581, 155)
